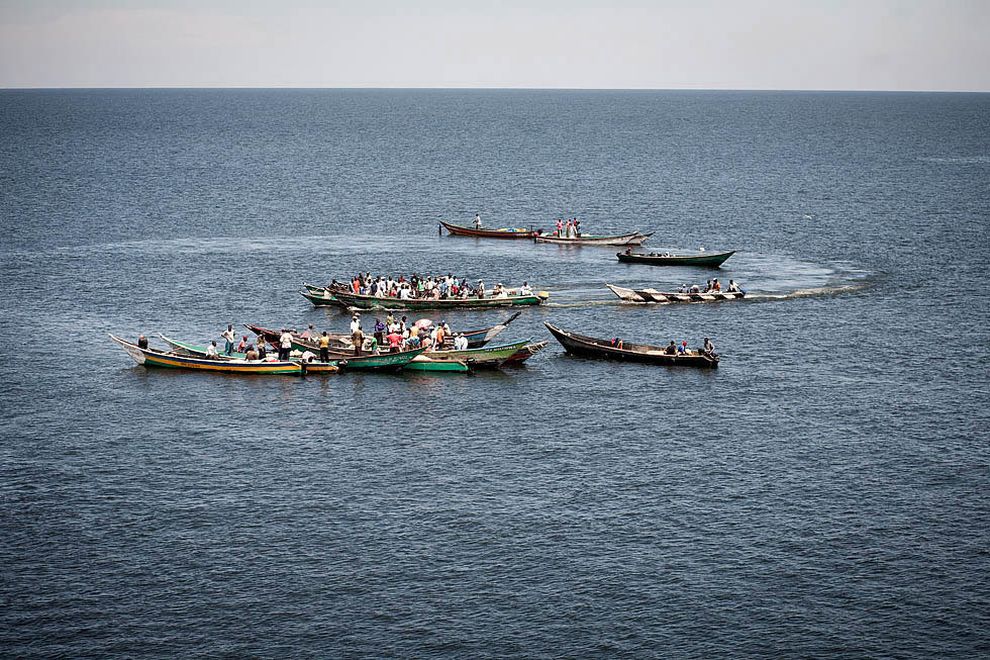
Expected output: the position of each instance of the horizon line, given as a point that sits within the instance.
(502, 88)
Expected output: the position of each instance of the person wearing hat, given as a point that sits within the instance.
(355, 323)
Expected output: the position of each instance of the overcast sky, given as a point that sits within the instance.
(659, 44)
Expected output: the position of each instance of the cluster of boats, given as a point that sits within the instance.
(634, 239)
(479, 354)
(339, 353)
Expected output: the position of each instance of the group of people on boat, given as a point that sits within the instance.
(431, 287)
(673, 348)
(393, 334)
(711, 286)
(570, 228)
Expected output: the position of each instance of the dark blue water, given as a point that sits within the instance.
(825, 492)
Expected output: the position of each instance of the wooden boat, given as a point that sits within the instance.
(635, 238)
(380, 362)
(317, 367)
(150, 357)
(503, 232)
(603, 348)
(351, 300)
(654, 296)
(485, 357)
(423, 363)
(320, 298)
(703, 259)
(341, 343)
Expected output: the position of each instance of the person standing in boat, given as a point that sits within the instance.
(228, 338)
(357, 338)
(560, 228)
(284, 345)
(324, 347)
(379, 332)
(242, 347)
(477, 221)
(577, 228)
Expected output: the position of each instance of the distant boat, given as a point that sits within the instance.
(703, 259)
(503, 232)
(603, 348)
(654, 296)
(635, 238)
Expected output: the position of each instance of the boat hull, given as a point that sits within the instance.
(423, 363)
(503, 233)
(662, 297)
(635, 238)
(380, 362)
(152, 358)
(713, 260)
(601, 348)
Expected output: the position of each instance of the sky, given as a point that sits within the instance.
(938, 45)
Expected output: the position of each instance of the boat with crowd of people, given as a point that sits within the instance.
(150, 357)
(635, 238)
(684, 294)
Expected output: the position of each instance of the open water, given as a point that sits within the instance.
(825, 492)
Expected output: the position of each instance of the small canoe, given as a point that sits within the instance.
(150, 357)
(351, 300)
(635, 238)
(603, 348)
(502, 233)
(423, 363)
(654, 296)
(702, 259)
(320, 298)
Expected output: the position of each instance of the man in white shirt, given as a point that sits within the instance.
(355, 323)
(228, 337)
(477, 221)
(284, 345)
(211, 350)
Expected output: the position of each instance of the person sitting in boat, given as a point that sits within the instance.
(251, 353)
(211, 350)
(671, 348)
(695, 288)
(733, 287)
(308, 356)
(525, 289)
(716, 287)
(709, 347)
(616, 342)
(477, 221)
(628, 250)
(481, 289)
(682, 348)
(142, 341)
(460, 342)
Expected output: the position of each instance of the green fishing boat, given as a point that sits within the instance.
(380, 362)
(484, 357)
(423, 363)
(320, 297)
(373, 302)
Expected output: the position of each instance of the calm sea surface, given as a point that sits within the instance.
(825, 492)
